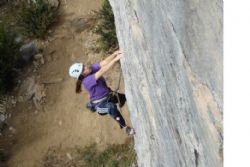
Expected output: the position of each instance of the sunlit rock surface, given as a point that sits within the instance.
(173, 79)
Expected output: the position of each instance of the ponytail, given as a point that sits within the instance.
(79, 83)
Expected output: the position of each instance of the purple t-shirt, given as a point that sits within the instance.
(96, 88)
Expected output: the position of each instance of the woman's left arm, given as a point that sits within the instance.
(109, 58)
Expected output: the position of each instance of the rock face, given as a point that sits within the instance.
(173, 79)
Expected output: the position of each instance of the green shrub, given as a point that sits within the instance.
(36, 17)
(9, 57)
(106, 28)
(122, 155)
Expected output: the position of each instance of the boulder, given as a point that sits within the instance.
(31, 90)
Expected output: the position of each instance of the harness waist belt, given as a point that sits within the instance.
(100, 100)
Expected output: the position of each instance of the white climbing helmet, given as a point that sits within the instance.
(75, 70)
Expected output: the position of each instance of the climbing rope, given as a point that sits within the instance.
(119, 81)
(117, 89)
(131, 130)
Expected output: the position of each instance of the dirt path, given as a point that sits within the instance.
(64, 122)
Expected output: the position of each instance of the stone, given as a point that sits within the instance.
(20, 99)
(38, 56)
(50, 31)
(51, 39)
(12, 130)
(28, 51)
(69, 156)
(36, 64)
(98, 140)
(19, 39)
(42, 60)
(173, 74)
(2, 117)
(40, 44)
(13, 101)
(133, 165)
(37, 104)
(54, 3)
(60, 123)
(52, 51)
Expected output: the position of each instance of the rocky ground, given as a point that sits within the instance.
(46, 121)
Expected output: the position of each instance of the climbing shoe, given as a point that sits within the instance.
(130, 131)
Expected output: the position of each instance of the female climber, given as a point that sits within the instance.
(101, 99)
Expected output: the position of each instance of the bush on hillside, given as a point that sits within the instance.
(122, 155)
(106, 27)
(9, 58)
(35, 16)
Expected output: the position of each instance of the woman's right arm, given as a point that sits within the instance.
(105, 68)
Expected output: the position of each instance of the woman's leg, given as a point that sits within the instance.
(116, 115)
(122, 99)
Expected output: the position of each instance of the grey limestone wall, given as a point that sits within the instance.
(173, 73)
